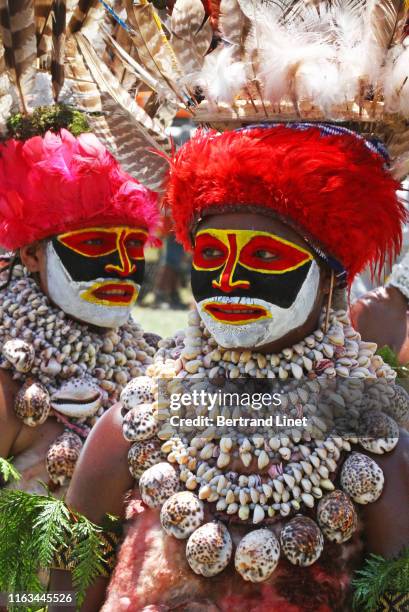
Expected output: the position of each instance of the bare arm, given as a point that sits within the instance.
(10, 425)
(381, 316)
(100, 481)
(386, 521)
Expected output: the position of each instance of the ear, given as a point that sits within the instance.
(30, 256)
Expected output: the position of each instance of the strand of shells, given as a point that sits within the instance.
(64, 366)
(295, 472)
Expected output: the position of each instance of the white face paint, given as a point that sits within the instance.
(278, 324)
(66, 294)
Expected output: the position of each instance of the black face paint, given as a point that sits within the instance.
(246, 263)
(80, 256)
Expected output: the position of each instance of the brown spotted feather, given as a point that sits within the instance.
(17, 27)
(58, 30)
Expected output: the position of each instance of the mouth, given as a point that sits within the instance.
(111, 294)
(235, 313)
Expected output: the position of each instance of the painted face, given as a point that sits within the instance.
(95, 274)
(252, 287)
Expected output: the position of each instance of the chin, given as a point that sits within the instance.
(245, 336)
(103, 318)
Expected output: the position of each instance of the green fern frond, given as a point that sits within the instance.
(7, 470)
(52, 526)
(88, 555)
(378, 576)
(32, 527)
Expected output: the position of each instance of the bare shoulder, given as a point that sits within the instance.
(101, 476)
(386, 521)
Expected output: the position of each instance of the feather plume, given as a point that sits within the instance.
(42, 12)
(109, 84)
(132, 65)
(222, 78)
(233, 23)
(85, 12)
(154, 50)
(129, 145)
(86, 93)
(397, 81)
(57, 63)
(17, 27)
(191, 34)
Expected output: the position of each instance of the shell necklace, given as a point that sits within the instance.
(65, 367)
(258, 477)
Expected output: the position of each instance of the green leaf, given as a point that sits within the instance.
(31, 529)
(8, 471)
(377, 576)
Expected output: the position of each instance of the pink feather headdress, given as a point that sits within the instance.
(59, 183)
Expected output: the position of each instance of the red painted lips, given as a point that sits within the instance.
(235, 313)
(117, 293)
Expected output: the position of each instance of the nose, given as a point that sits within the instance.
(126, 266)
(226, 282)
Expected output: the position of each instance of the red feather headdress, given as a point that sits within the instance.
(332, 188)
(61, 183)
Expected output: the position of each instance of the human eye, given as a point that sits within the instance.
(265, 255)
(210, 253)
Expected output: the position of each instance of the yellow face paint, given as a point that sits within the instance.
(257, 251)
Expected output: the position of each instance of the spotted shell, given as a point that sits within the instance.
(209, 549)
(337, 517)
(362, 478)
(32, 404)
(158, 483)
(181, 514)
(398, 407)
(139, 423)
(257, 555)
(143, 455)
(62, 457)
(379, 433)
(138, 391)
(301, 541)
(77, 398)
(20, 354)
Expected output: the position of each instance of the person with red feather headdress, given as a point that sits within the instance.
(75, 225)
(279, 220)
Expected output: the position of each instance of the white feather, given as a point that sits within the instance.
(222, 78)
(396, 86)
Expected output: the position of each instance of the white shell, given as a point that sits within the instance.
(362, 478)
(379, 432)
(301, 541)
(398, 407)
(77, 398)
(32, 404)
(143, 455)
(138, 391)
(181, 514)
(209, 549)
(139, 423)
(62, 456)
(19, 354)
(337, 517)
(158, 483)
(257, 555)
